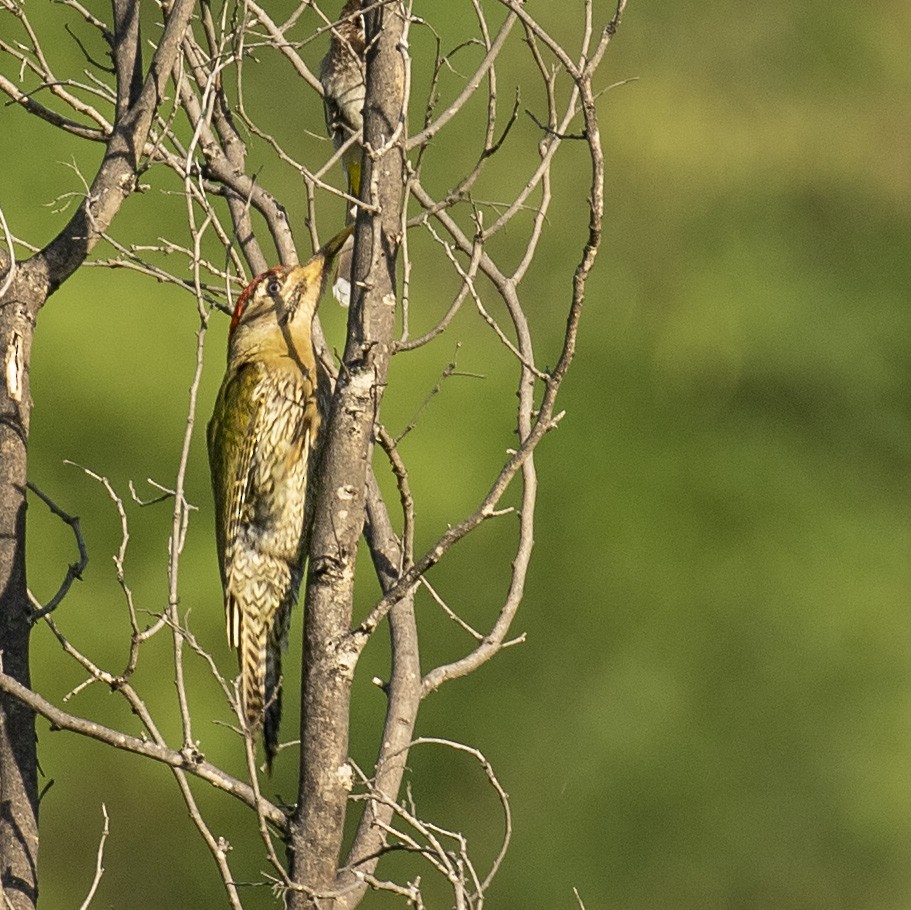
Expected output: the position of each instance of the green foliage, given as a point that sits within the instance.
(711, 709)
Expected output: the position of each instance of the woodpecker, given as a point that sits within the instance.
(261, 438)
(342, 74)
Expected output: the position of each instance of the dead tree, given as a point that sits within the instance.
(187, 119)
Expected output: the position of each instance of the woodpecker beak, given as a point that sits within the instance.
(316, 270)
(330, 250)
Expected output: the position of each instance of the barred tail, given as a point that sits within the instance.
(254, 634)
(278, 641)
(273, 711)
(261, 635)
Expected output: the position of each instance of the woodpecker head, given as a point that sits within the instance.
(274, 312)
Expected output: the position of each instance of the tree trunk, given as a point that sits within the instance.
(330, 653)
(34, 281)
(18, 763)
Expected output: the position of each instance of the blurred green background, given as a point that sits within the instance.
(713, 705)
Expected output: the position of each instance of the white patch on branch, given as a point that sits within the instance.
(14, 367)
(346, 776)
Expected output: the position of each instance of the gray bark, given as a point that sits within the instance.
(35, 280)
(330, 652)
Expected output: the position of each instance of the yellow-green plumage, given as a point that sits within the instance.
(261, 437)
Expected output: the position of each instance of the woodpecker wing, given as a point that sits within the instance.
(232, 438)
(259, 447)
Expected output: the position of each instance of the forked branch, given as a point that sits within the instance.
(203, 144)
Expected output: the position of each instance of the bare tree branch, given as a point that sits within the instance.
(471, 86)
(201, 143)
(193, 763)
(116, 176)
(329, 659)
(99, 863)
(404, 693)
(74, 570)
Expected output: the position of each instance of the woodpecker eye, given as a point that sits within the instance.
(273, 288)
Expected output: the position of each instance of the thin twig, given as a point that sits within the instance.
(195, 765)
(448, 371)
(74, 570)
(209, 161)
(11, 269)
(99, 862)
